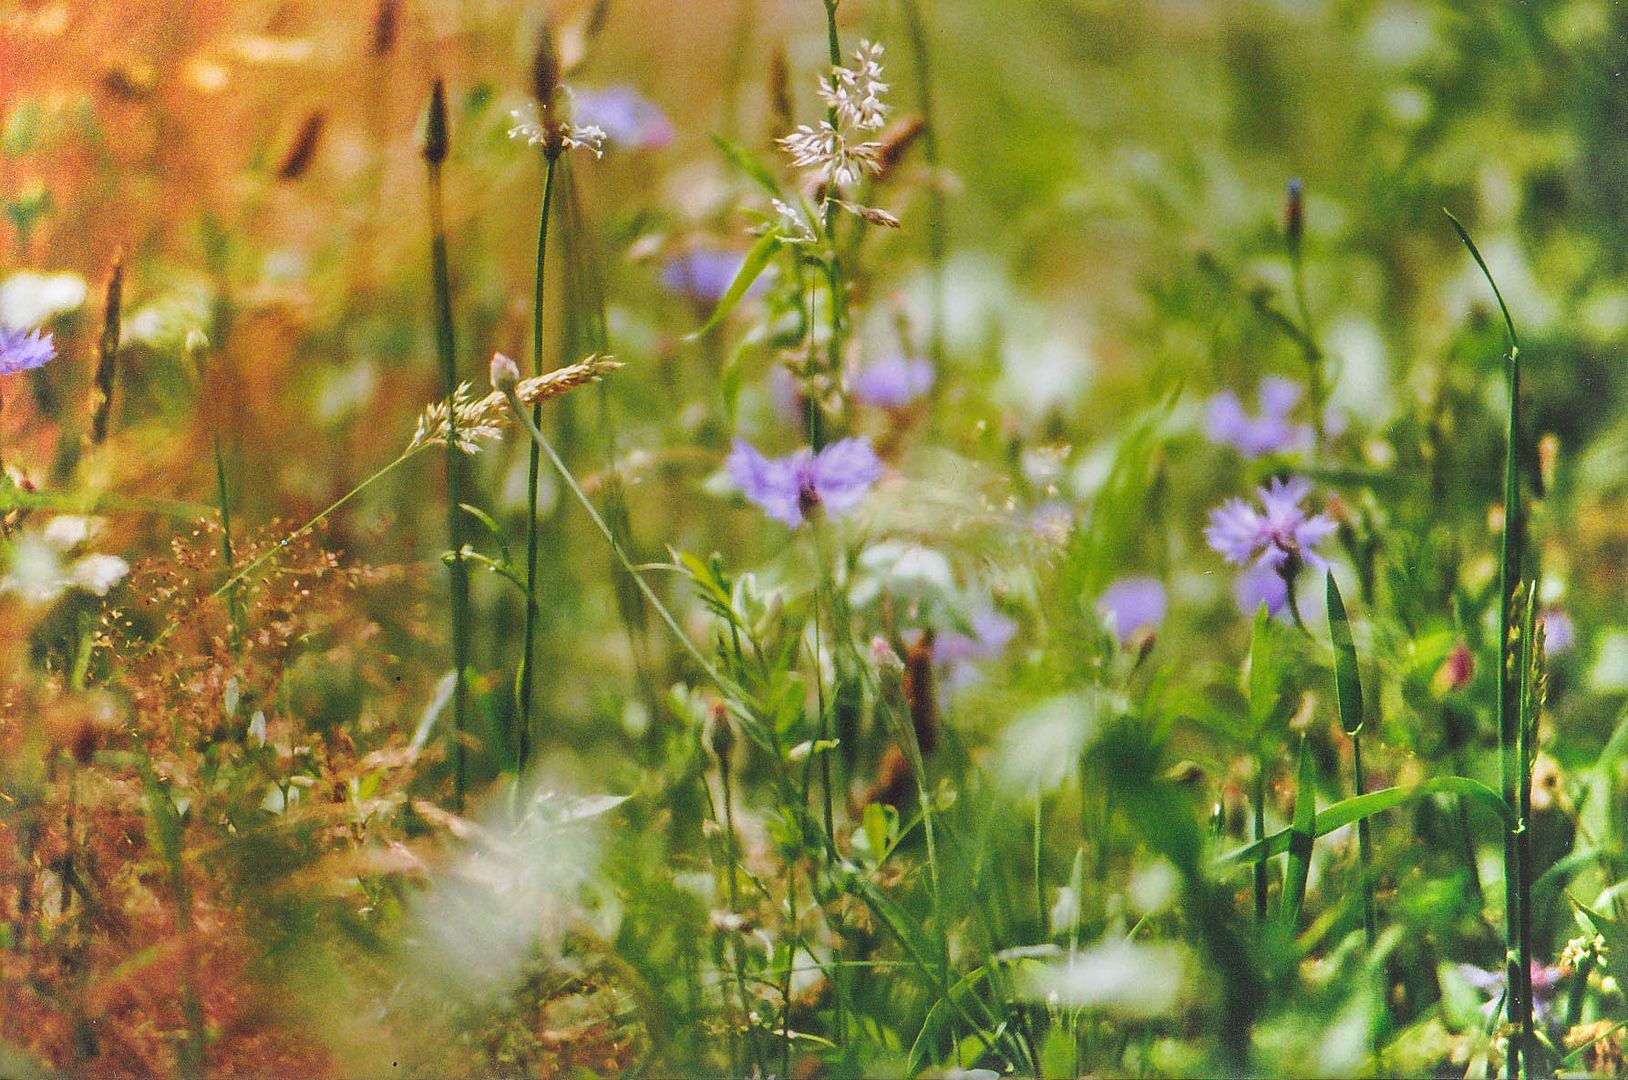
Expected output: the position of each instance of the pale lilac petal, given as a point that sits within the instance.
(1279, 396)
(1559, 632)
(1261, 585)
(1235, 531)
(843, 473)
(1132, 605)
(23, 350)
(628, 118)
(1224, 418)
(772, 484)
(892, 382)
(706, 274)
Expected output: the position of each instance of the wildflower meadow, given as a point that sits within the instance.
(813, 538)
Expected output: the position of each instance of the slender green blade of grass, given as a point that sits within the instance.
(1349, 811)
(1348, 694)
(1302, 835)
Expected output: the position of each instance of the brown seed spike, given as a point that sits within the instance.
(919, 692)
(303, 149)
(780, 105)
(386, 27)
(107, 352)
(545, 68)
(435, 125)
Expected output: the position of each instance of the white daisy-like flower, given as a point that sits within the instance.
(536, 130)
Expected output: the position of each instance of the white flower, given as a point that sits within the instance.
(839, 151)
(530, 125)
(39, 570)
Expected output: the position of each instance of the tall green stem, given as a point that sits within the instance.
(1260, 834)
(446, 350)
(533, 474)
(1509, 680)
(936, 226)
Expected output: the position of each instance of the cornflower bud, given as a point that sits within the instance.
(505, 374)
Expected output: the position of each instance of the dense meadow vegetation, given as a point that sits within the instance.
(813, 538)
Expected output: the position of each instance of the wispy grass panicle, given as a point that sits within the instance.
(107, 352)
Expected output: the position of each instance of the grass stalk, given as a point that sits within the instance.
(937, 227)
(533, 475)
(1261, 864)
(435, 151)
(1510, 569)
(107, 352)
(223, 502)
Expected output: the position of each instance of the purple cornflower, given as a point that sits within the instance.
(961, 653)
(892, 382)
(23, 350)
(794, 487)
(1279, 541)
(991, 633)
(628, 118)
(705, 274)
(1269, 431)
(1133, 605)
(1545, 979)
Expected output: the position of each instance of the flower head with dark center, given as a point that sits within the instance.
(795, 487)
(1276, 541)
(23, 350)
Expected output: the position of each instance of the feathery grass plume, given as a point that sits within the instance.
(465, 422)
(435, 152)
(107, 352)
(302, 148)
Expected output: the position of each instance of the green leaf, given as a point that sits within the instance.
(756, 260)
(1270, 703)
(1351, 810)
(932, 1026)
(1347, 681)
(750, 165)
(1616, 940)
(1302, 835)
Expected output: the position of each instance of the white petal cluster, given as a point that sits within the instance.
(837, 149)
(531, 126)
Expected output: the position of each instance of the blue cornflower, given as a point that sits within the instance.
(1275, 544)
(705, 274)
(892, 382)
(1133, 605)
(22, 350)
(795, 487)
(628, 118)
(1266, 432)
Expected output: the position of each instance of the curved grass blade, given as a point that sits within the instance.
(756, 260)
(1348, 811)
(1302, 835)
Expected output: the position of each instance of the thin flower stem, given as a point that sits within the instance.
(446, 350)
(1260, 834)
(528, 654)
(1365, 853)
(937, 230)
(666, 616)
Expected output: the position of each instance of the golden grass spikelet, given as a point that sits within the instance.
(481, 419)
